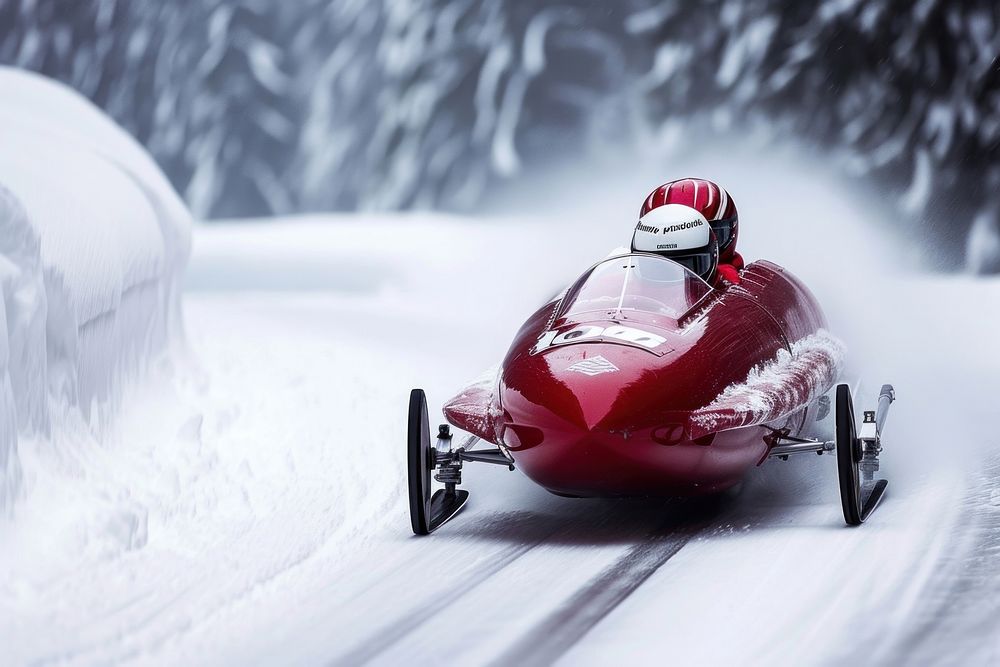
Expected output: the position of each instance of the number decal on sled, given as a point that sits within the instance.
(587, 332)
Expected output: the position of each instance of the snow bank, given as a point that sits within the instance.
(773, 390)
(22, 338)
(92, 243)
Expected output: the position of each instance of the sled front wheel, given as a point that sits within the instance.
(429, 512)
(420, 462)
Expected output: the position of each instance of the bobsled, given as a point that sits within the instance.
(641, 379)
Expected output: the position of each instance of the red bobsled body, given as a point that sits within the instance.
(643, 380)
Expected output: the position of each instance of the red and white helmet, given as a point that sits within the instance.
(708, 199)
(682, 234)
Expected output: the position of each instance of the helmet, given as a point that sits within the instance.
(682, 234)
(709, 199)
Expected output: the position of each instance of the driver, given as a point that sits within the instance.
(686, 210)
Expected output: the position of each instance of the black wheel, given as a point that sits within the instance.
(427, 512)
(848, 457)
(420, 462)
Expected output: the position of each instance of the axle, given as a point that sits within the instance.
(806, 446)
(448, 461)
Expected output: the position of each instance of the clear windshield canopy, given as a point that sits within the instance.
(636, 283)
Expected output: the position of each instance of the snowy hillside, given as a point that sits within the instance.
(93, 241)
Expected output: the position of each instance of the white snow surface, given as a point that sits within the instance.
(250, 506)
(93, 241)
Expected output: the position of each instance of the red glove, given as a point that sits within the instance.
(729, 273)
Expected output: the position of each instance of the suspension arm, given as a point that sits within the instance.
(494, 456)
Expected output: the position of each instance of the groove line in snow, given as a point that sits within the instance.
(399, 627)
(574, 619)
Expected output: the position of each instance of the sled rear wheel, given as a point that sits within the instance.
(848, 457)
(420, 462)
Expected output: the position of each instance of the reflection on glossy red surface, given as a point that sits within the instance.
(605, 411)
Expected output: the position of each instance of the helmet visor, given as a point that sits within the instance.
(701, 263)
(723, 230)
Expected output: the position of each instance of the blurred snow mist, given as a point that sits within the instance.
(258, 108)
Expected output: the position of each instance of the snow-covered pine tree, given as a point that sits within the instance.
(425, 102)
(232, 119)
(201, 83)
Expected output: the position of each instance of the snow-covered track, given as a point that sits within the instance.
(272, 473)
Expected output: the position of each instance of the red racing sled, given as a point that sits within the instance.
(642, 380)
